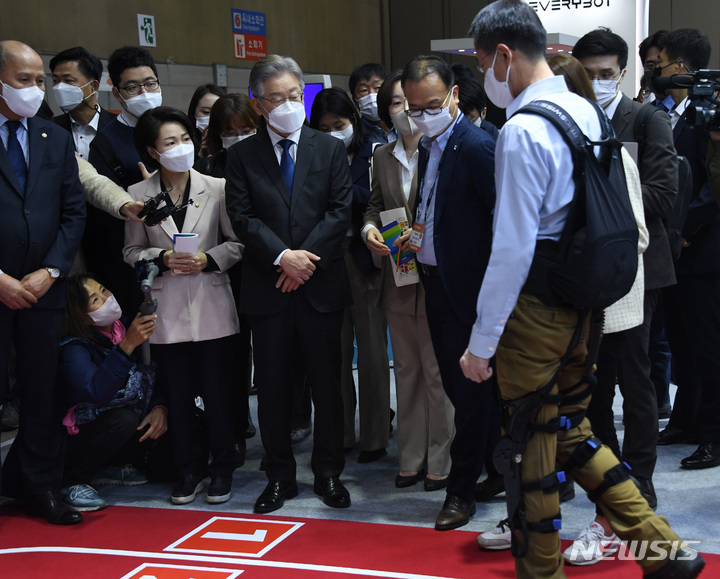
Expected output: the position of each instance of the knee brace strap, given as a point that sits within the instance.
(567, 422)
(583, 453)
(617, 474)
(547, 484)
(547, 525)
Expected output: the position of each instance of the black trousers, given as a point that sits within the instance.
(623, 359)
(693, 327)
(33, 464)
(477, 414)
(316, 336)
(112, 438)
(205, 369)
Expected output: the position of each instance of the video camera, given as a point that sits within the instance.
(154, 212)
(701, 84)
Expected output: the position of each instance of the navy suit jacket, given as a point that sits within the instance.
(43, 226)
(464, 204)
(268, 219)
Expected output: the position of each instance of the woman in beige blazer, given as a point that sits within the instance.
(194, 341)
(425, 415)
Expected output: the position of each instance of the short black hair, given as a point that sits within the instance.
(654, 40)
(199, 93)
(689, 45)
(148, 128)
(470, 93)
(511, 22)
(335, 101)
(384, 98)
(89, 64)
(128, 57)
(365, 72)
(425, 65)
(602, 42)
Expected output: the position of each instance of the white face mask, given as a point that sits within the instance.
(498, 92)
(433, 125)
(107, 313)
(178, 159)
(24, 102)
(202, 122)
(403, 124)
(288, 117)
(228, 142)
(69, 96)
(346, 135)
(605, 91)
(145, 101)
(368, 107)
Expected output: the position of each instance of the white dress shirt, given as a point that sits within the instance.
(534, 183)
(84, 134)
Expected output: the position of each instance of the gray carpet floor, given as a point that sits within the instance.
(689, 499)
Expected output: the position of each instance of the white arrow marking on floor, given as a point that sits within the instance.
(257, 537)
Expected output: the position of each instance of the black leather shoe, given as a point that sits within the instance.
(403, 481)
(455, 513)
(434, 484)
(219, 490)
(707, 455)
(681, 567)
(488, 489)
(187, 488)
(671, 435)
(366, 456)
(332, 491)
(274, 495)
(50, 506)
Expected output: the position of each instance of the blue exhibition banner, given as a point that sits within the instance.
(249, 22)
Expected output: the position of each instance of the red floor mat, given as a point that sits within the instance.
(139, 543)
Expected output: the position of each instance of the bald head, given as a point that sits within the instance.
(20, 67)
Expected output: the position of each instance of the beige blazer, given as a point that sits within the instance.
(191, 307)
(628, 311)
(387, 193)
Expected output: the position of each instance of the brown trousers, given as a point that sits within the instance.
(535, 339)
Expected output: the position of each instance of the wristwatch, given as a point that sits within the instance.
(53, 271)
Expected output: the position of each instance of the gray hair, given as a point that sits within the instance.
(272, 65)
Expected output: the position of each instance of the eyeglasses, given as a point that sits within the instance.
(605, 76)
(431, 111)
(134, 89)
(295, 98)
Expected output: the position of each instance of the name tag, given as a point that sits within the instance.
(416, 236)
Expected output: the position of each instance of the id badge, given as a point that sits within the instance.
(416, 236)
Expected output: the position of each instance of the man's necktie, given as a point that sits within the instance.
(287, 165)
(15, 154)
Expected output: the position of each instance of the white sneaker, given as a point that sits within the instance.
(497, 539)
(591, 546)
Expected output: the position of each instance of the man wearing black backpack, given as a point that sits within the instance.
(537, 344)
(624, 354)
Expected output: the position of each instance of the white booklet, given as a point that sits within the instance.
(404, 265)
(185, 243)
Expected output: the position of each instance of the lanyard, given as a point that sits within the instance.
(434, 185)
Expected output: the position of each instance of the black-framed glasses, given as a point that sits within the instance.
(134, 89)
(295, 98)
(431, 111)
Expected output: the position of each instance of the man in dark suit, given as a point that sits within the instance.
(136, 87)
(76, 78)
(40, 229)
(454, 205)
(288, 195)
(693, 305)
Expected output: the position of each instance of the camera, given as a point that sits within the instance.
(701, 84)
(160, 207)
